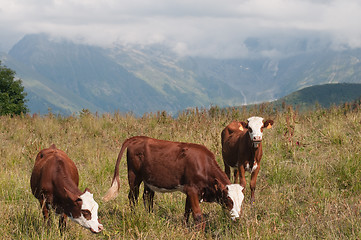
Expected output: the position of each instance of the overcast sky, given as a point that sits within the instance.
(226, 28)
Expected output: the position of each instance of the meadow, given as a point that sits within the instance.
(309, 185)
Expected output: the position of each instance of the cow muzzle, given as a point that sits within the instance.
(100, 228)
(234, 215)
(256, 144)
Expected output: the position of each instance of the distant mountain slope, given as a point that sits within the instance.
(106, 80)
(45, 95)
(68, 77)
(84, 71)
(324, 95)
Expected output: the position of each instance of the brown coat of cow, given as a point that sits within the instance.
(166, 166)
(54, 182)
(242, 149)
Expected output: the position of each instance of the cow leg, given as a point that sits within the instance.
(45, 209)
(62, 222)
(242, 177)
(227, 170)
(187, 211)
(253, 183)
(236, 175)
(134, 183)
(148, 196)
(193, 202)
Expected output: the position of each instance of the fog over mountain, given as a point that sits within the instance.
(154, 55)
(216, 29)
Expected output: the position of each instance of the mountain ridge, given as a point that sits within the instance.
(324, 95)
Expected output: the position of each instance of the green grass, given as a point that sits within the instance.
(308, 188)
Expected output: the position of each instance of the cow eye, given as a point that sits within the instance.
(250, 130)
(87, 214)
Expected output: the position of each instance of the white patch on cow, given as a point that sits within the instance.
(166, 190)
(89, 204)
(236, 194)
(254, 167)
(256, 124)
(248, 169)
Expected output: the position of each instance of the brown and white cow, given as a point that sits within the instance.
(54, 182)
(166, 166)
(242, 149)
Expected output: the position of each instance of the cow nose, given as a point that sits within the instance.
(257, 138)
(100, 227)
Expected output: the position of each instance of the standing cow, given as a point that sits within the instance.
(242, 149)
(166, 166)
(54, 182)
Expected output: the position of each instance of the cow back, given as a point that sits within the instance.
(234, 143)
(168, 164)
(52, 167)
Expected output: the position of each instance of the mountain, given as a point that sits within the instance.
(68, 77)
(325, 95)
(82, 74)
(106, 80)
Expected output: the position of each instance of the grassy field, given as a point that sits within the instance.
(309, 186)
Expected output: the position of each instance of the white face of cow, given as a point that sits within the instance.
(89, 213)
(255, 125)
(236, 194)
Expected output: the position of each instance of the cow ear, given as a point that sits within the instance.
(216, 185)
(268, 124)
(87, 190)
(219, 186)
(243, 126)
(72, 196)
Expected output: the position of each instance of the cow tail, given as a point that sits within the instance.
(113, 191)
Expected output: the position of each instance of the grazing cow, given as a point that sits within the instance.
(166, 166)
(242, 149)
(54, 182)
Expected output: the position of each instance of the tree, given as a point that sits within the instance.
(12, 95)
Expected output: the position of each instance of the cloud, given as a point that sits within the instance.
(212, 27)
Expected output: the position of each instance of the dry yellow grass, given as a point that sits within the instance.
(308, 188)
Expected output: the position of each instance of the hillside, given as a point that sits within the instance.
(68, 77)
(324, 95)
(81, 72)
(108, 80)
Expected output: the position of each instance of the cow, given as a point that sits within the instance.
(166, 166)
(54, 182)
(242, 149)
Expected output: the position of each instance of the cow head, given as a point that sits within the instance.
(231, 198)
(85, 211)
(235, 194)
(255, 126)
